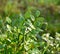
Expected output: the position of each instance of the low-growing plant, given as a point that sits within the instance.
(19, 34)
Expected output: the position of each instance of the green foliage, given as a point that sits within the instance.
(21, 35)
(28, 31)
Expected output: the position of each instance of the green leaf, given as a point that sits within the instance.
(32, 17)
(8, 28)
(27, 14)
(20, 37)
(37, 13)
(8, 20)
